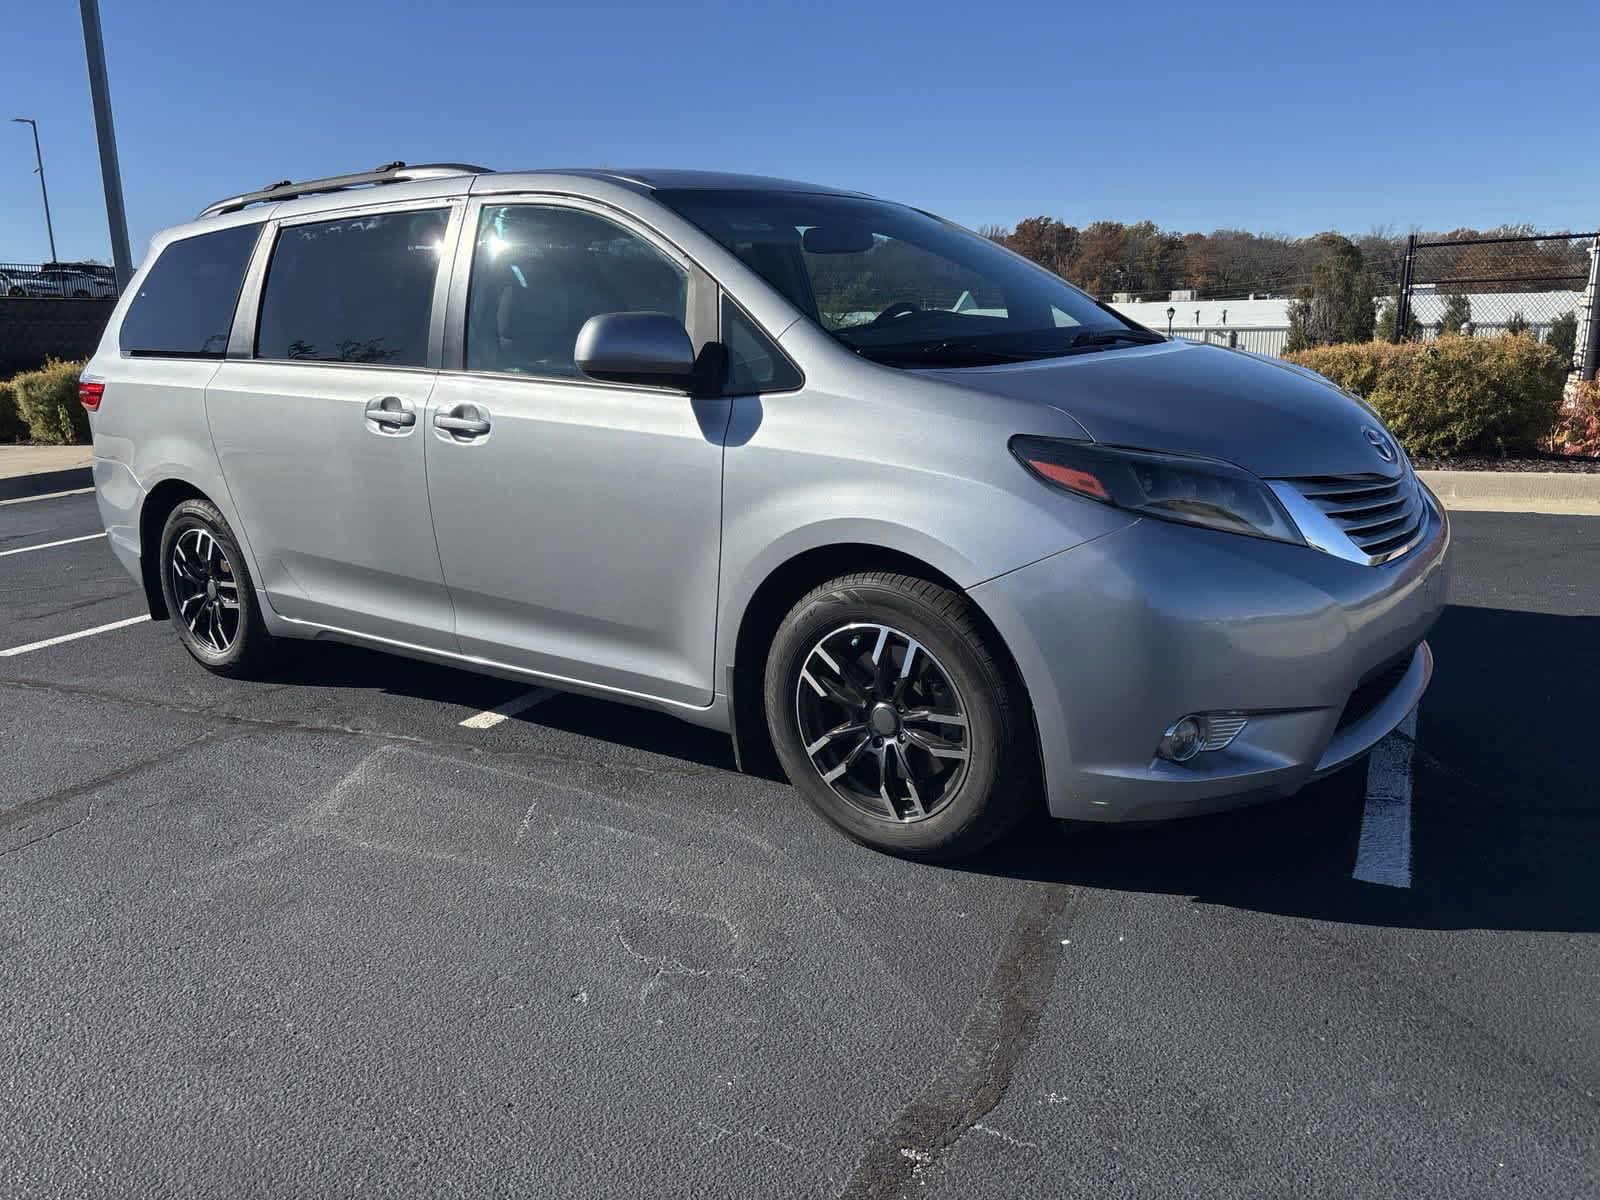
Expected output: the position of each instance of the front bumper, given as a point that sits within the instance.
(1119, 637)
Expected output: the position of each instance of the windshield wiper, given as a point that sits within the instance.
(945, 354)
(1109, 337)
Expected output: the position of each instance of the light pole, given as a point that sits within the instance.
(1171, 312)
(38, 158)
(94, 51)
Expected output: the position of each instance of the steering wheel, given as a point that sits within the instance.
(900, 308)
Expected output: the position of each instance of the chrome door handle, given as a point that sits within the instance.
(390, 411)
(473, 426)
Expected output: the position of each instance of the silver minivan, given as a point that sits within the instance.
(942, 533)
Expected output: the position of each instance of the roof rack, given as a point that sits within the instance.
(394, 172)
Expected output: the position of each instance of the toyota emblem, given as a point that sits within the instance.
(1378, 442)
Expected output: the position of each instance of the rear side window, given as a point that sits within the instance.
(358, 290)
(184, 306)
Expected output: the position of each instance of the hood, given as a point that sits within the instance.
(1268, 417)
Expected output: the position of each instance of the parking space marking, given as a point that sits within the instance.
(46, 496)
(513, 706)
(1385, 853)
(72, 637)
(88, 537)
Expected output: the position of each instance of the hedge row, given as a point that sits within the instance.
(1455, 395)
(43, 405)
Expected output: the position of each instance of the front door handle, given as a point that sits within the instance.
(390, 414)
(464, 420)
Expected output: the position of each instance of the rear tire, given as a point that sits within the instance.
(898, 719)
(209, 594)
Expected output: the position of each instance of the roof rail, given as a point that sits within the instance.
(394, 172)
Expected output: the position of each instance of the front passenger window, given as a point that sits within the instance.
(539, 272)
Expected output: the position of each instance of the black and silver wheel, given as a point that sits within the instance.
(897, 719)
(207, 589)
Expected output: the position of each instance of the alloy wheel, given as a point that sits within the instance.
(206, 590)
(882, 722)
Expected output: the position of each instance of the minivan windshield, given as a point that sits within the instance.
(899, 286)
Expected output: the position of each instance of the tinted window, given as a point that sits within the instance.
(184, 306)
(755, 364)
(539, 273)
(357, 290)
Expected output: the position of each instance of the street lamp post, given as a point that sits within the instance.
(1171, 312)
(38, 159)
(94, 50)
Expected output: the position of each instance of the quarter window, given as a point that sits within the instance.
(540, 272)
(755, 364)
(184, 306)
(357, 290)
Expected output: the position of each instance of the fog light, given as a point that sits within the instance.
(1182, 740)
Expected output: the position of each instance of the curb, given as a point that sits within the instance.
(1562, 493)
(43, 483)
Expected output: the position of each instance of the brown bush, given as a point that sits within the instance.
(1578, 430)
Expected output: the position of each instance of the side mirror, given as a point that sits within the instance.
(635, 347)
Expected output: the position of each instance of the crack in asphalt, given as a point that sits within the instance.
(28, 809)
(998, 1031)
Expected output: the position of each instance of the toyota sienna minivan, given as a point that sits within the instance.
(832, 474)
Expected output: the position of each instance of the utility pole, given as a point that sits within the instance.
(49, 229)
(110, 173)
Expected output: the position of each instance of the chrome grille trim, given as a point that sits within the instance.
(1367, 519)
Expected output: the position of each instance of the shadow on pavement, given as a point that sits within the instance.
(1506, 804)
(1505, 810)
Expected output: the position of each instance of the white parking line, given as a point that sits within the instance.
(513, 706)
(88, 537)
(46, 496)
(72, 637)
(1385, 853)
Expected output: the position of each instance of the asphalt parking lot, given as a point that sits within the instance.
(316, 936)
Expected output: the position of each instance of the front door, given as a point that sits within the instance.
(579, 523)
(320, 434)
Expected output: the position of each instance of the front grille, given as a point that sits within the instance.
(1380, 516)
(1375, 689)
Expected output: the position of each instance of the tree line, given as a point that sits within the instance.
(1332, 279)
(1108, 257)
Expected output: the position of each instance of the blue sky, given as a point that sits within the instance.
(1284, 117)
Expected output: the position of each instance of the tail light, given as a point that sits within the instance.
(90, 392)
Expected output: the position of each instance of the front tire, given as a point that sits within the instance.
(208, 592)
(897, 717)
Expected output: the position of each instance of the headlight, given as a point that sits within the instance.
(1173, 487)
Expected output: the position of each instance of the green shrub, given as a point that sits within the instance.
(1563, 335)
(1455, 395)
(48, 401)
(12, 426)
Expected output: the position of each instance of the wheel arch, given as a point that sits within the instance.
(770, 602)
(153, 513)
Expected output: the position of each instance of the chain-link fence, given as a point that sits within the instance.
(68, 281)
(1533, 284)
